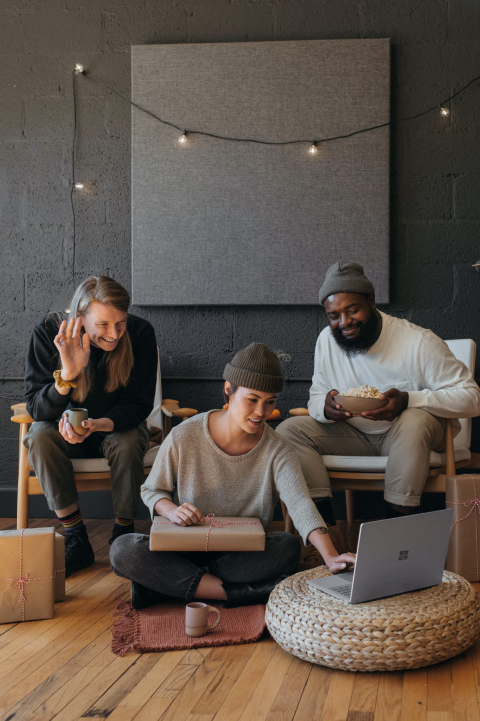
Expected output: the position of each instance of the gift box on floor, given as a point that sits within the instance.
(214, 534)
(463, 495)
(59, 567)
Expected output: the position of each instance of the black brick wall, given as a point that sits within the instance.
(435, 172)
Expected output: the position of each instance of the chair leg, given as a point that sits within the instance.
(23, 475)
(449, 449)
(349, 503)
(287, 519)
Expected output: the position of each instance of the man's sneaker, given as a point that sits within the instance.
(121, 531)
(143, 597)
(78, 551)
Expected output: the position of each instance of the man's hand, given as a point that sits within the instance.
(333, 411)
(186, 515)
(340, 563)
(397, 403)
(74, 350)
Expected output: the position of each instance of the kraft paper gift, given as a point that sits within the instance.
(59, 566)
(463, 495)
(214, 534)
(27, 576)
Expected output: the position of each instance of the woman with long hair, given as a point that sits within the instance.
(230, 463)
(103, 359)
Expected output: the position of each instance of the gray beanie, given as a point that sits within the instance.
(345, 277)
(256, 367)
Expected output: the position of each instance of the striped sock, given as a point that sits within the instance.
(72, 522)
(123, 521)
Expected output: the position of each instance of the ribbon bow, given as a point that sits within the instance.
(474, 505)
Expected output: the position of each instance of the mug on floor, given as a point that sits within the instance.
(196, 618)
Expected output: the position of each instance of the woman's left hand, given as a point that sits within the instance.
(340, 563)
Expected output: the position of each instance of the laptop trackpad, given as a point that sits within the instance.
(340, 583)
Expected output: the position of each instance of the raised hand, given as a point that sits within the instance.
(333, 411)
(74, 350)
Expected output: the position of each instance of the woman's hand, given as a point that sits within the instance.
(186, 515)
(67, 432)
(340, 563)
(74, 350)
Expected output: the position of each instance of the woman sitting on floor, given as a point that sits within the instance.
(229, 463)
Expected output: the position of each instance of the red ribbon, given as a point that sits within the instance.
(213, 523)
(22, 580)
(474, 505)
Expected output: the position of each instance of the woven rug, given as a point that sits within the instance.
(162, 628)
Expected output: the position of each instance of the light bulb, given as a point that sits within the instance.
(79, 68)
(444, 111)
(313, 148)
(79, 186)
(183, 138)
(67, 310)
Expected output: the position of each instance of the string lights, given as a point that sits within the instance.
(313, 148)
(183, 138)
(445, 112)
(79, 186)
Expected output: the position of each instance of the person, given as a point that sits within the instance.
(229, 463)
(103, 359)
(421, 380)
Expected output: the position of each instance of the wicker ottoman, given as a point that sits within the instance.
(401, 632)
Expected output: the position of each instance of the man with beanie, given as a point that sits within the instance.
(419, 377)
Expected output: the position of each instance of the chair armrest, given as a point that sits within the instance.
(172, 408)
(298, 411)
(19, 408)
(22, 418)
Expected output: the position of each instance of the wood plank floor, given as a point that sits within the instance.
(63, 669)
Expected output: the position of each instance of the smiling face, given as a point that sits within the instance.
(249, 408)
(354, 321)
(104, 324)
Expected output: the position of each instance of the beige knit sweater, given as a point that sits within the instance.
(191, 468)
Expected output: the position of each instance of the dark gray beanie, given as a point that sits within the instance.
(345, 277)
(256, 367)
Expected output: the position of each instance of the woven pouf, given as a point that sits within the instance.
(401, 632)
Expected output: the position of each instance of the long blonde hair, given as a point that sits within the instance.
(102, 289)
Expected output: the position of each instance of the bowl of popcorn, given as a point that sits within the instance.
(363, 398)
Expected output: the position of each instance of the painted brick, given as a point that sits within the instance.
(467, 195)
(443, 242)
(137, 25)
(424, 198)
(222, 22)
(317, 19)
(409, 21)
(55, 33)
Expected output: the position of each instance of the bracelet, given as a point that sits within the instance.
(64, 384)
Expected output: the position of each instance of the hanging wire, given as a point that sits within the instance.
(72, 189)
(185, 131)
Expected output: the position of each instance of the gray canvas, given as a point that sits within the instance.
(221, 223)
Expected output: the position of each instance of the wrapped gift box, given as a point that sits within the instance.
(27, 576)
(59, 567)
(463, 495)
(214, 534)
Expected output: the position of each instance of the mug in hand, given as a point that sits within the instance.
(196, 618)
(75, 417)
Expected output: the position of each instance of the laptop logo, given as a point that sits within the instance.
(403, 556)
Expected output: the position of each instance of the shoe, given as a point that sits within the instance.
(78, 551)
(142, 597)
(249, 594)
(121, 531)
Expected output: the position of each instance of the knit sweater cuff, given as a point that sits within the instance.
(56, 399)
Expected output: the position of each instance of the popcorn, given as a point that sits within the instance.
(365, 391)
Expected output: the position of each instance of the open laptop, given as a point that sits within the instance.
(394, 556)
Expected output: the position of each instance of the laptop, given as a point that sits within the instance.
(394, 556)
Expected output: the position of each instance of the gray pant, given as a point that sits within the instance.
(178, 574)
(407, 444)
(49, 454)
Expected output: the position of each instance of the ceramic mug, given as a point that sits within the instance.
(196, 618)
(75, 417)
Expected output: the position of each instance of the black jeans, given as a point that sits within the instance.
(178, 574)
(50, 455)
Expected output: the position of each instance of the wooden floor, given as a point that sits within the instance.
(63, 669)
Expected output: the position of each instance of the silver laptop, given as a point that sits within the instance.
(394, 556)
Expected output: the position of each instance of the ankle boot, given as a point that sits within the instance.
(142, 597)
(249, 594)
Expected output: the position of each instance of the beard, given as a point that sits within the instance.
(367, 336)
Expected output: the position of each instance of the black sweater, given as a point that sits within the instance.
(127, 407)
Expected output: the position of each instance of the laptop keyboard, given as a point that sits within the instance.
(345, 591)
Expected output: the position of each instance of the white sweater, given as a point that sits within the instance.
(406, 357)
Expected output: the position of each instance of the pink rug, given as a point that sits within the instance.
(162, 628)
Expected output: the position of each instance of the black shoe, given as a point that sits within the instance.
(121, 531)
(78, 551)
(142, 597)
(249, 594)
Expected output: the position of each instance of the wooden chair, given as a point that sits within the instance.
(367, 473)
(91, 474)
